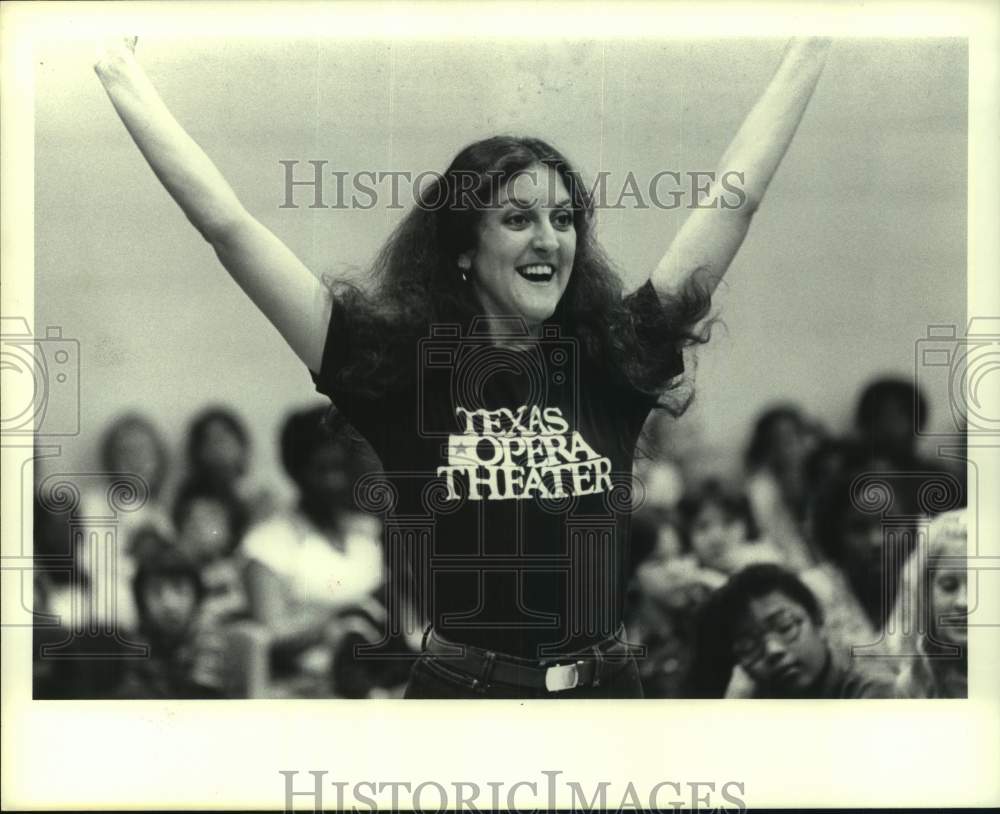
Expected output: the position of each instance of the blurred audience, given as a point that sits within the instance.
(886, 421)
(309, 564)
(186, 656)
(210, 524)
(864, 527)
(711, 535)
(218, 456)
(234, 596)
(934, 645)
(775, 461)
(891, 413)
(720, 530)
(66, 665)
(54, 560)
(655, 529)
(131, 446)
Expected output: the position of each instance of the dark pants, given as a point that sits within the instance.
(432, 677)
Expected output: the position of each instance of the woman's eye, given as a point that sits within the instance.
(563, 220)
(517, 219)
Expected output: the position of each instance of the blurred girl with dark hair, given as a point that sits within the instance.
(719, 537)
(132, 450)
(219, 454)
(775, 463)
(309, 565)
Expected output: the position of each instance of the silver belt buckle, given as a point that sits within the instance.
(562, 677)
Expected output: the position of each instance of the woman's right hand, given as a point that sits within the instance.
(115, 51)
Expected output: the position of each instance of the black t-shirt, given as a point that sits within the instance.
(506, 486)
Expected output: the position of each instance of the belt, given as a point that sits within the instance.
(583, 669)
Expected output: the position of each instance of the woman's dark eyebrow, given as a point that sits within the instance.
(522, 204)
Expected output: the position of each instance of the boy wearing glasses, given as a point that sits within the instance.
(769, 623)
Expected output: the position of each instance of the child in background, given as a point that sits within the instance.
(886, 421)
(660, 616)
(711, 534)
(775, 462)
(720, 530)
(131, 448)
(890, 414)
(936, 586)
(209, 528)
(763, 635)
(218, 452)
(692, 556)
(857, 544)
(308, 565)
(655, 535)
(186, 657)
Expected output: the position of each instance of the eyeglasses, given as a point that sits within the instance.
(749, 648)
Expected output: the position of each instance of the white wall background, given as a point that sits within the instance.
(860, 244)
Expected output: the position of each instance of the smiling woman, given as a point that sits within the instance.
(507, 235)
(516, 532)
(526, 245)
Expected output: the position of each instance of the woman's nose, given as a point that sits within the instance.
(545, 238)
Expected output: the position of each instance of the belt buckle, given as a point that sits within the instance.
(562, 677)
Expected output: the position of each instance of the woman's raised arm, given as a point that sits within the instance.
(278, 283)
(708, 241)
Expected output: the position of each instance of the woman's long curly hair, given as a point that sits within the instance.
(417, 283)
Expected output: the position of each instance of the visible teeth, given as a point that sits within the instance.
(537, 271)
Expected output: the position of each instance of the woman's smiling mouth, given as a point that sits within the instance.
(537, 272)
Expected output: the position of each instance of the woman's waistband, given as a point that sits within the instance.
(583, 668)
